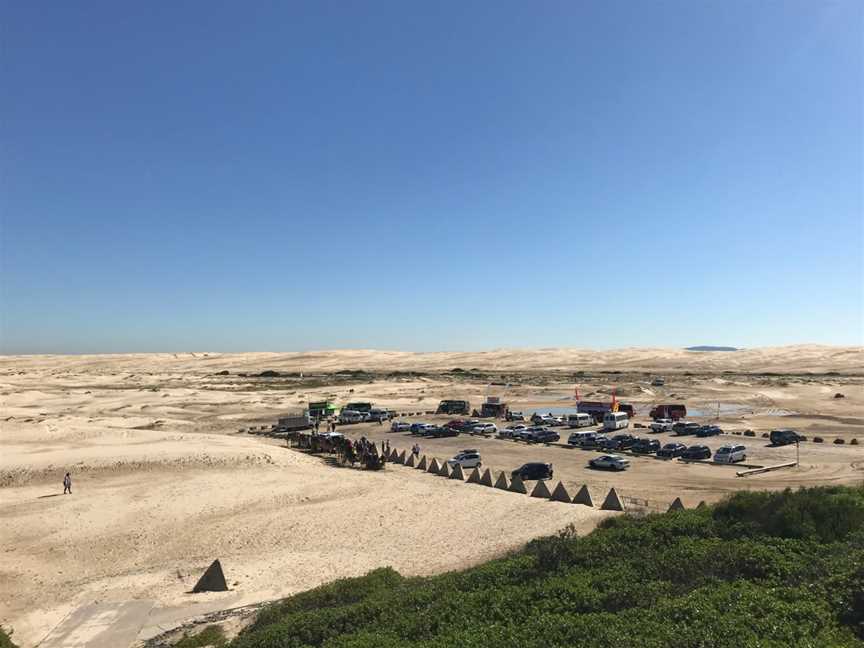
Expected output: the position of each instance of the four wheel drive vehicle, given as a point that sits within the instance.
(483, 428)
(709, 430)
(350, 416)
(463, 425)
(645, 446)
(379, 415)
(672, 450)
(466, 459)
(610, 462)
(420, 428)
(594, 443)
(662, 425)
(511, 432)
(580, 420)
(681, 428)
(582, 439)
(400, 426)
(533, 471)
(542, 419)
(438, 432)
(619, 442)
(514, 416)
(543, 436)
(615, 421)
(697, 452)
(524, 435)
(730, 454)
(783, 437)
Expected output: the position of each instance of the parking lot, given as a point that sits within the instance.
(650, 480)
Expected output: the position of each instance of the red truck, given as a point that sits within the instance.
(673, 412)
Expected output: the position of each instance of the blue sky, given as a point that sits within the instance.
(430, 176)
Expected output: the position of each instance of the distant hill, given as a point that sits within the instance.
(710, 348)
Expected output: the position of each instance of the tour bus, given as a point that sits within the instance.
(582, 419)
(615, 421)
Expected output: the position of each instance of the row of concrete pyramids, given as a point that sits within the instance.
(515, 485)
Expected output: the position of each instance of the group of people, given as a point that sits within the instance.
(331, 426)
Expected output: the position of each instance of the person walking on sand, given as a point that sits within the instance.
(67, 484)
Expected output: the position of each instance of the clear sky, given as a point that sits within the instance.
(430, 175)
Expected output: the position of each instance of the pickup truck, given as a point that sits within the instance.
(662, 425)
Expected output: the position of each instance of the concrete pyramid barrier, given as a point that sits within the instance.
(394, 455)
(400, 458)
(486, 479)
(541, 490)
(502, 482)
(410, 461)
(457, 473)
(474, 477)
(677, 505)
(701, 504)
(583, 497)
(517, 485)
(560, 494)
(612, 502)
(423, 465)
(445, 469)
(434, 467)
(213, 580)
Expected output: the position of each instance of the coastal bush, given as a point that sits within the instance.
(211, 636)
(5, 640)
(759, 569)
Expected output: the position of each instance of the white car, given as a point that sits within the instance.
(612, 462)
(662, 425)
(400, 426)
(466, 459)
(350, 416)
(484, 428)
(512, 432)
(730, 454)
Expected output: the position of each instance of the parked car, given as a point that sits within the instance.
(542, 419)
(543, 436)
(662, 425)
(582, 439)
(730, 454)
(558, 421)
(527, 433)
(580, 420)
(379, 415)
(697, 452)
(685, 428)
(511, 432)
(463, 425)
(533, 471)
(400, 426)
(783, 437)
(466, 459)
(595, 442)
(610, 462)
(484, 428)
(645, 446)
(709, 430)
(515, 416)
(438, 432)
(672, 450)
(420, 428)
(619, 442)
(350, 416)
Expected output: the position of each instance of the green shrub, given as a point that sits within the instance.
(5, 638)
(759, 569)
(212, 635)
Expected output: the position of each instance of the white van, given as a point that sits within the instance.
(581, 419)
(615, 421)
(580, 439)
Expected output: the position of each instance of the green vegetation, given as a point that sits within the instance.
(5, 641)
(761, 569)
(212, 635)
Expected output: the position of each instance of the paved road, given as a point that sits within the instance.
(100, 625)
